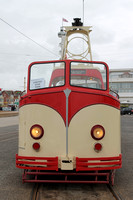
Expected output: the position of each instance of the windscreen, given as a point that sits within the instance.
(88, 75)
(45, 75)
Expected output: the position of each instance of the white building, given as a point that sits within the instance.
(121, 81)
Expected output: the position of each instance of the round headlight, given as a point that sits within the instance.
(97, 132)
(36, 131)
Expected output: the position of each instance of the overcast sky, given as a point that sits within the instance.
(111, 36)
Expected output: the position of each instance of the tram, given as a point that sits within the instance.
(69, 124)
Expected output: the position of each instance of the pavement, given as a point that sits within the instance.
(8, 113)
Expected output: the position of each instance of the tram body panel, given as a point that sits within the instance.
(53, 141)
(81, 143)
(68, 107)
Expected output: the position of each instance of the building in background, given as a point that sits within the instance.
(1, 99)
(9, 98)
(121, 81)
(17, 95)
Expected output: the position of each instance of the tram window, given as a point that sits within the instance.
(46, 75)
(88, 75)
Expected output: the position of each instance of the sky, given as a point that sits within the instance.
(40, 20)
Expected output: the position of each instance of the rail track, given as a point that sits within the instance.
(37, 194)
(114, 193)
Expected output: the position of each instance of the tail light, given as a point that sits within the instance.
(98, 147)
(36, 146)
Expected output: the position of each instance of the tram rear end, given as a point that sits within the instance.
(69, 127)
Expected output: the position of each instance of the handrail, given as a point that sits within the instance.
(113, 93)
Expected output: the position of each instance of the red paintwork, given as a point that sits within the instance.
(51, 163)
(67, 72)
(88, 174)
(79, 100)
(36, 146)
(55, 100)
(98, 147)
(109, 163)
(79, 97)
(66, 177)
(82, 164)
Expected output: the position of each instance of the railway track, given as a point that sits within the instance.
(114, 193)
(64, 192)
(35, 192)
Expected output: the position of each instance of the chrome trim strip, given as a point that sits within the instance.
(67, 93)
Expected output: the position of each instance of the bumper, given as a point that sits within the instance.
(104, 163)
(88, 170)
(37, 163)
(82, 164)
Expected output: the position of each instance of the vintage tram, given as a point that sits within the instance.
(69, 124)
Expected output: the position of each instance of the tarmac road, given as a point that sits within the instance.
(124, 176)
(8, 121)
(11, 186)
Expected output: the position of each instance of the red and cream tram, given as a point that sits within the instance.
(69, 124)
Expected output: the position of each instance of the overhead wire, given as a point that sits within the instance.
(18, 54)
(28, 37)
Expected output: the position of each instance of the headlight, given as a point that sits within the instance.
(36, 131)
(97, 132)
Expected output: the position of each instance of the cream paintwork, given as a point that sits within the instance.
(81, 144)
(53, 143)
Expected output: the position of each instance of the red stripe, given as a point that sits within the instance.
(96, 168)
(99, 158)
(33, 163)
(99, 163)
(82, 164)
(51, 163)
